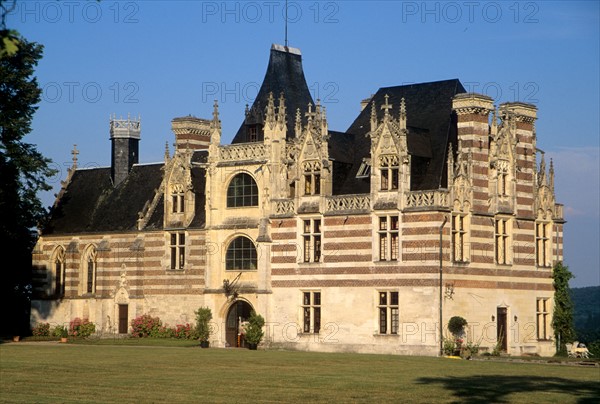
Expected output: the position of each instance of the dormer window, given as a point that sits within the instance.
(390, 173)
(312, 178)
(178, 202)
(252, 134)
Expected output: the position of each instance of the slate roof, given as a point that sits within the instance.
(431, 126)
(284, 74)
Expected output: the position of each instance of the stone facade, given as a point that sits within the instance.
(257, 226)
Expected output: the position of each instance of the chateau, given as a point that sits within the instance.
(433, 203)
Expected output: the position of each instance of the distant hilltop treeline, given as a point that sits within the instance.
(586, 315)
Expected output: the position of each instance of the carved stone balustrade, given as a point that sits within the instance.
(243, 152)
(426, 199)
(283, 207)
(343, 204)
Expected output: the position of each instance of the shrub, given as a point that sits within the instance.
(254, 332)
(41, 330)
(146, 326)
(81, 328)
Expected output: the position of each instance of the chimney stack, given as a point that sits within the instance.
(125, 139)
(191, 133)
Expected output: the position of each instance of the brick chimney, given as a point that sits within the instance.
(191, 133)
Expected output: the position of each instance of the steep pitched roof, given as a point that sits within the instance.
(91, 204)
(430, 129)
(284, 75)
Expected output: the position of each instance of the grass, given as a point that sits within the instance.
(77, 373)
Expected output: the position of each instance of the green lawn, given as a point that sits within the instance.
(53, 372)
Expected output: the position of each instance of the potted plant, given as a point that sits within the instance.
(61, 332)
(254, 332)
(456, 326)
(203, 317)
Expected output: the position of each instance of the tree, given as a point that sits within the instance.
(562, 319)
(23, 173)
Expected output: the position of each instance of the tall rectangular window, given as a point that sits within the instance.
(459, 238)
(543, 244)
(390, 174)
(388, 312)
(177, 250)
(91, 275)
(311, 312)
(389, 239)
(543, 318)
(311, 236)
(312, 183)
(178, 202)
(502, 235)
(502, 183)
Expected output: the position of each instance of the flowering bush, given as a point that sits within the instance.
(185, 331)
(147, 326)
(449, 347)
(81, 328)
(41, 330)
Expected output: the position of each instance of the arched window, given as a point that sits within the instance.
(242, 191)
(241, 255)
(89, 270)
(58, 272)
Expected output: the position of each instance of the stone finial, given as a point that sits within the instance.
(74, 152)
(270, 109)
(281, 110)
(216, 122)
(542, 172)
(373, 117)
(450, 163)
(402, 120)
(551, 176)
(298, 126)
(309, 114)
(167, 156)
(386, 108)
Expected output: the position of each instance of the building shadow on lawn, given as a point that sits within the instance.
(498, 388)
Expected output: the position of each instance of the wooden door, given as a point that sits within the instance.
(502, 333)
(123, 318)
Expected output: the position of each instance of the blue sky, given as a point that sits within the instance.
(160, 60)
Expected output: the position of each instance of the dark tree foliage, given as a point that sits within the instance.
(23, 173)
(562, 320)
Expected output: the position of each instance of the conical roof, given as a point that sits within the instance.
(284, 75)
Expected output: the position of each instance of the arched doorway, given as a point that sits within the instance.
(237, 314)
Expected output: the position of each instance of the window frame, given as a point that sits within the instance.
(312, 240)
(389, 171)
(59, 272)
(89, 271)
(311, 311)
(460, 237)
(502, 240)
(388, 238)
(177, 243)
(247, 196)
(388, 312)
(543, 244)
(248, 255)
(542, 318)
